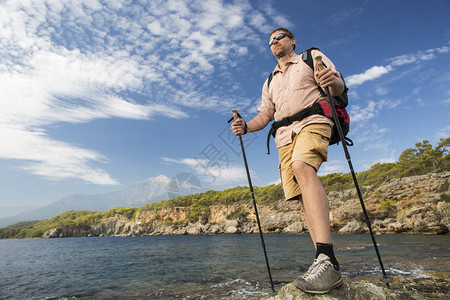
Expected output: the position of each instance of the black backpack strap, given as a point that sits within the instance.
(307, 57)
(269, 79)
(342, 99)
(313, 110)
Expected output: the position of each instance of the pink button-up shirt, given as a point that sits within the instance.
(291, 90)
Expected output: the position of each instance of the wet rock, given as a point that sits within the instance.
(193, 230)
(296, 227)
(231, 226)
(350, 291)
(353, 227)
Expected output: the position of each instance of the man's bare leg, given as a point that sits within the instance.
(324, 274)
(310, 229)
(314, 201)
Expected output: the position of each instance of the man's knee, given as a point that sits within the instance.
(301, 168)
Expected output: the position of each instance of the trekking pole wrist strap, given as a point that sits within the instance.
(236, 115)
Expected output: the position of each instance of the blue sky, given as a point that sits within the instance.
(96, 95)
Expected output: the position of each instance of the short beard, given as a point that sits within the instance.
(282, 53)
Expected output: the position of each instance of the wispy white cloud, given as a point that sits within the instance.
(75, 61)
(278, 20)
(381, 91)
(403, 59)
(370, 74)
(444, 133)
(387, 156)
(346, 15)
(421, 55)
(211, 172)
(334, 166)
(378, 71)
(52, 159)
(372, 137)
(278, 181)
(358, 114)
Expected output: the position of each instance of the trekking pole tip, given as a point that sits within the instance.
(235, 114)
(386, 279)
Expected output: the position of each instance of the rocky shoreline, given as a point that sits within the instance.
(417, 204)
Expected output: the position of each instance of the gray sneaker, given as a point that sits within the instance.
(311, 267)
(320, 278)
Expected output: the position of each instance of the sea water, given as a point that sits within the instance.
(197, 267)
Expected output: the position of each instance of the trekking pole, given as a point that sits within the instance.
(385, 278)
(235, 115)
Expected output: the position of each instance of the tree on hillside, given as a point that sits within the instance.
(445, 160)
(424, 158)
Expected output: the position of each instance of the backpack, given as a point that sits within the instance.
(321, 108)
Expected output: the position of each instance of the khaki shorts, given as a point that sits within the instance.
(310, 145)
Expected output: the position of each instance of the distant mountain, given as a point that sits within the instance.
(138, 194)
(9, 211)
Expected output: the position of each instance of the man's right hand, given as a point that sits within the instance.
(238, 127)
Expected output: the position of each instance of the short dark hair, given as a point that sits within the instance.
(285, 30)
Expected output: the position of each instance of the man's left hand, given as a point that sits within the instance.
(330, 78)
(327, 77)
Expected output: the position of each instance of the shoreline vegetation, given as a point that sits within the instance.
(408, 196)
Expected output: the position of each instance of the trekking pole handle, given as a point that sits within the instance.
(235, 114)
(319, 62)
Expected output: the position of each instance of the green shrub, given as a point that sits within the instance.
(444, 187)
(445, 197)
(238, 214)
(386, 204)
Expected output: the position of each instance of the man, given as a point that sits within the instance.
(302, 147)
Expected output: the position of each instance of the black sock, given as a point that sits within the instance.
(327, 249)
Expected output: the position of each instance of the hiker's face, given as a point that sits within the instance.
(281, 46)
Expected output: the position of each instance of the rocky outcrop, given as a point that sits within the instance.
(113, 226)
(52, 233)
(416, 204)
(401, 289)
(351, 291)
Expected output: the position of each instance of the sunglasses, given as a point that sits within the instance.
(278, 37)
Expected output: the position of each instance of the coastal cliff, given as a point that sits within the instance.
(417, 204)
